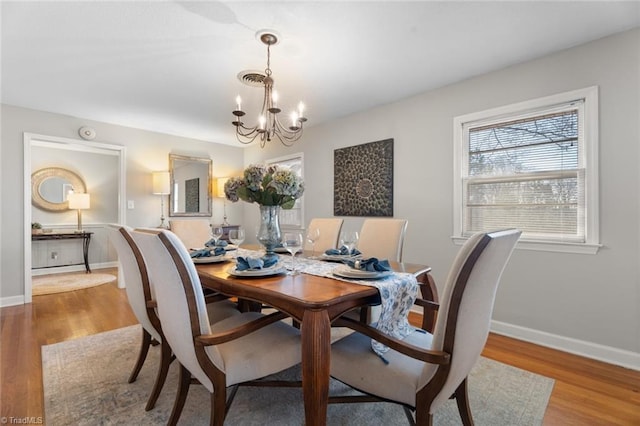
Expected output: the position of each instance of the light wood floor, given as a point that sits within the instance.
(586, 392)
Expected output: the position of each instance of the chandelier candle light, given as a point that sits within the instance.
(269, 125)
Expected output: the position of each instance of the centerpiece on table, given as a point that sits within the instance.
(272, 188)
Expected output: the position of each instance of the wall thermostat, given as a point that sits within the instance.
(87, 133)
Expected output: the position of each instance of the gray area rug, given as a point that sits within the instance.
(85, 383)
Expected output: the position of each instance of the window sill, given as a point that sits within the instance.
(558, 247)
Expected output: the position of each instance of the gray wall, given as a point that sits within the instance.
(546, 297)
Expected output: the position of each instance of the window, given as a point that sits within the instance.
(292, 219)
(531, 166)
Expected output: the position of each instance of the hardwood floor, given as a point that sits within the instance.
(586, 392)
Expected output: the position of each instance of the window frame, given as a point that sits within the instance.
(286, 160)
(588, 160)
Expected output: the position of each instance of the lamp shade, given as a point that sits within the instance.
(221, 182)
(161, 183)
(79, 201)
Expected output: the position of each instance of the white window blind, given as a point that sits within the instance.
(531, 166)
(524, 174)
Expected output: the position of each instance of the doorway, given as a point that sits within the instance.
(35, 141)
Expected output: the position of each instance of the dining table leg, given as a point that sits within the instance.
(316, 358)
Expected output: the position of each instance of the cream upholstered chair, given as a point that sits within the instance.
(193, 233)
(140, 297)
(425, 370)
(382, 238)
(238, 349)
(329, 228)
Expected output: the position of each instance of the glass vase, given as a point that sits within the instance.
(269, 234)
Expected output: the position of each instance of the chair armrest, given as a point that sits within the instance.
(152, 304)
(427, 304)
(240, 331)
(416, 352)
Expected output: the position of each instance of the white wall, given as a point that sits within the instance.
(145, 152)
(583, 303)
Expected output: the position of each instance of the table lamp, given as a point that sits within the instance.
(161, 187)
(220, 193)
(79, 202)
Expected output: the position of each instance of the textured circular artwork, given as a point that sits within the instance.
(363, 179)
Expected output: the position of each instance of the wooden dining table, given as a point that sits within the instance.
(314, 301)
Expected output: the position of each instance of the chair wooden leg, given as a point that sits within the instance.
(462, 399)
(163, 369)
(183, 388)
(142, 356)
(218, 406)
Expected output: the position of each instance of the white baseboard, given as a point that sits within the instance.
(72, 268)
(591, 350)
(11, 301)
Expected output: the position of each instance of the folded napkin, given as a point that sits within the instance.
(372, 264)
(212, 243)
(342, 251)
(253, 263)
(206, 252)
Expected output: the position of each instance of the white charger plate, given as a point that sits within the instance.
(210, 259)
(273, 270)
(346, 271)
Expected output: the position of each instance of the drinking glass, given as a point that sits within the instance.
(292, 241)
(216, 233)
(349, 239)
(313, 234)
(236, 236)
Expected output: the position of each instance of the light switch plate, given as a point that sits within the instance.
(130, 204)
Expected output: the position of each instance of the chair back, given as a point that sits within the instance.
(329, 232)
(136, 279)
(466, 305)
(193, 233)
(382, 238)
(181, 304)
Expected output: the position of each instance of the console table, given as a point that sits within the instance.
(69, 235)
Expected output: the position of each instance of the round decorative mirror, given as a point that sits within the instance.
(50, 187)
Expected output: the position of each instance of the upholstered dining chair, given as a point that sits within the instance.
(424, 370)
(382, 238)
(234, 351)
(193, 233)
(329, 228)
(142, 303)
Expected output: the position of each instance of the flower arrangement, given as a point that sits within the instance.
(265, 185)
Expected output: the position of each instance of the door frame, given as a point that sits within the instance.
(33, 140)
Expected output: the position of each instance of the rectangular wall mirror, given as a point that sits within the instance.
(190, 186)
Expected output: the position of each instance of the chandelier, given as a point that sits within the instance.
(269, 125)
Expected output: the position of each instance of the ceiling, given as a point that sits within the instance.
(171, 66)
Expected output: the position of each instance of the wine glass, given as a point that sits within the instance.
(216, 233)
(313, 234)
(292, 241)
(349, 239)
(236, 236)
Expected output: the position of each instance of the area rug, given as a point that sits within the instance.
(59, 283)
(85, 383)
